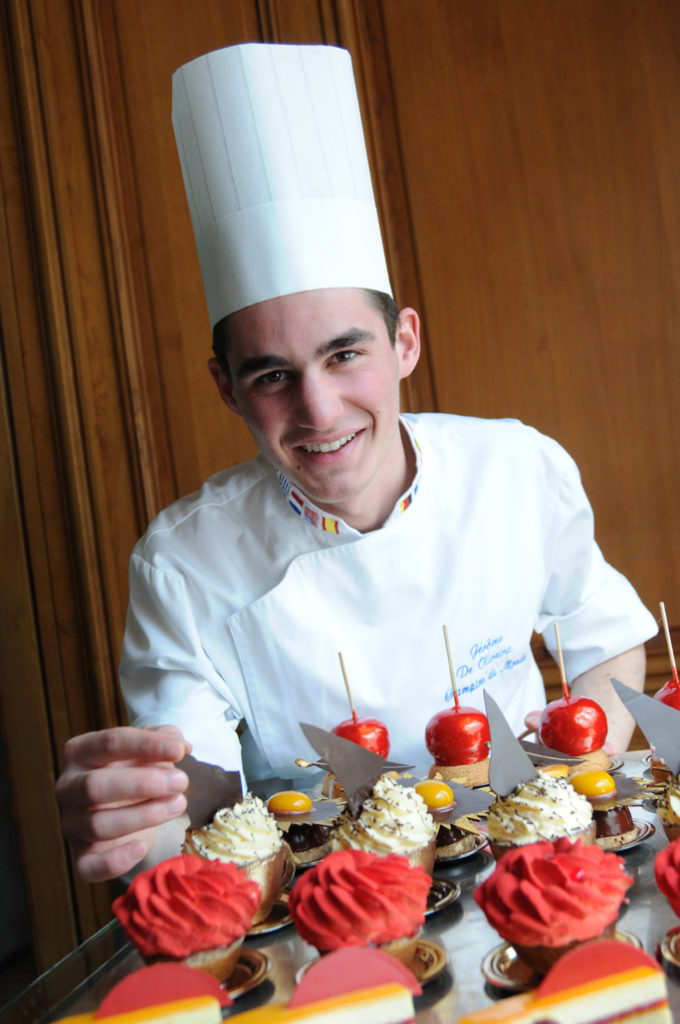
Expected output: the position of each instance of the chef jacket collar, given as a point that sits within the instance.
(304, 507)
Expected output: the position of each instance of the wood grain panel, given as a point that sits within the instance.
(539, 144)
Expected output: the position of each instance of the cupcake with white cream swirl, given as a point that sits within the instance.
(544, 808)
(393, 819)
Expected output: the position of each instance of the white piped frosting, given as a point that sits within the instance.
(394, 819)
(242, 833)
(543, 808)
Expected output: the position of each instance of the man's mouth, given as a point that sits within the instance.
(331, 446)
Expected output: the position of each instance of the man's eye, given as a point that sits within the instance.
(269, 379)
(344, 356)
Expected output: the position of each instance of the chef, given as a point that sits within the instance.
(355, 529)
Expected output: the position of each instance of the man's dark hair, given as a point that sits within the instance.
(380, 301)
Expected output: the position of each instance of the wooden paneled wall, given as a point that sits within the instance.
(525, 155)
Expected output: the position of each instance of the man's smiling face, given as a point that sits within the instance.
(316, 378)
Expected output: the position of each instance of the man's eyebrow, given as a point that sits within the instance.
(260, 364)
(350, 337)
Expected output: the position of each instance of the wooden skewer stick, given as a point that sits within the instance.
(560, 658)
(349, 692)
(451, 668)
(671, 655)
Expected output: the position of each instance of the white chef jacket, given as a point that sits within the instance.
(242, 595)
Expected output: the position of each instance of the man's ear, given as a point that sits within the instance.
(407, 341)
(224, 385)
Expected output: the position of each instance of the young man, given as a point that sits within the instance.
(355, 529)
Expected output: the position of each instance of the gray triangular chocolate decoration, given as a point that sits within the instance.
(355, 768)
(210, 789)
(509, 765)
(659, 722)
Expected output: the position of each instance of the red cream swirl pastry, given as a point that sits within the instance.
(186, 904)
(356, 898)
(667, 874)
(551, 894)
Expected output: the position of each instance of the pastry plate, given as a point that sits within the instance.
(503, 969)
(428, 964)
(647, 762)
(252, 969)
(278, 917)
(441, 894)
(481, 842)
(430, 961)
(643, 830)
(670, 951)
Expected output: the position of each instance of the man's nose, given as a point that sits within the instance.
(318, 402)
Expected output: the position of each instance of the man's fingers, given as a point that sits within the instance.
(98, 864)
(116, 823)
(118, 784)
(531, 720)
(125, 743)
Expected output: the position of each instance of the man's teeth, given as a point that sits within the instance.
(332, 447)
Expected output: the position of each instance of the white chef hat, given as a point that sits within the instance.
(276, 174)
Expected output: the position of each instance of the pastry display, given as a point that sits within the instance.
(545, 898)
(614, 825)
(356, 898)
(458, 739)
(247, 835)
(600, 982)
(363, 905)
(305, 824)
(392, 819)
(189, 909)
(544, 808)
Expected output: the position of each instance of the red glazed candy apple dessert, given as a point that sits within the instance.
(669, 694)
(458, 739)
(369, 733)
(576, 726)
